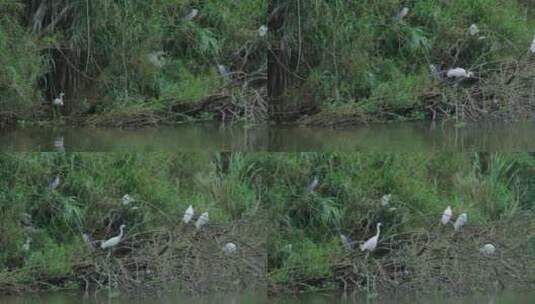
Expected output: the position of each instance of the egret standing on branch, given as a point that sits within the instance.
(188, 214)
(446, 216)
(201, 221)
(371, 244)
(114, 240)
(461, 220)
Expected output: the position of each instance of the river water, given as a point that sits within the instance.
(252, 298)
(394, 137)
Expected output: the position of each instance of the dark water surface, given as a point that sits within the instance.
(261, 298)
(394, 137)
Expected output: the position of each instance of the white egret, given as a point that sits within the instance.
(126, 200)
(487, 250)
(54, 182)
(346, 241)
(459, 73)
(26, 245)
(473, 30)
(58, 101)
(114, 240)
(371, 244)
(532, 47)
(192, 14)
(262, 30)
(446, 216)
(230, 248)
(201, 221)
(188, 214)
(403, 13)
(385, 200)
(461, 220)
(312, 184)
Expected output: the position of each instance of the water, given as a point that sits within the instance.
(395, 137)
(252, 298)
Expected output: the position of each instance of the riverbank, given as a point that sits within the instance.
(286, 227)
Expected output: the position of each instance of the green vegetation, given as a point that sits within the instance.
(240, 191)
(136, 63)
(126, 60)
(362, 62)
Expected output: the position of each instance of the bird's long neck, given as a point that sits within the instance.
(121, 233)
(378, 230)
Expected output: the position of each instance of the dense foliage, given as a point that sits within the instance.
(361, 57)
(123, 57)
(305, 226)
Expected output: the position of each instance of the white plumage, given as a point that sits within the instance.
(188, 214)
(230, 248)
(473, 30)
(371, 244)
(461, 220)
(127, 199)
(192, 14)
(487, 250)
(262, 30)
(446, 216)
(58, 101)
(202, 220)
(114, 240)
(532, 47)
(459, 73)
(403, 13)
(385, 200)
(26, 245)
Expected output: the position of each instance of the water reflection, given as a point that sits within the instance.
(396, 137)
